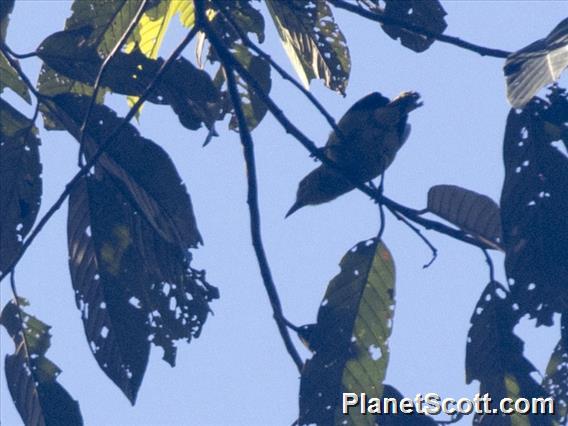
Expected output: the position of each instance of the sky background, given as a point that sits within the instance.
(238, 371)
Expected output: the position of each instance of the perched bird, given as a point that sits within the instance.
(372, 130)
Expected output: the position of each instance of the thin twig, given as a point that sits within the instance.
(8, 54)
(490, 264)
(20, 55)
(431, 246)
(289, 127)
(383, 19)
(101, 73)
(101, 149)
(252, 192)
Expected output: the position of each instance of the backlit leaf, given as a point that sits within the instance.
(313, 41)
(536, 65)
(9, 78)
(475, 213)
(350, 339)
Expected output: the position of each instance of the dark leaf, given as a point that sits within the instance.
(475, 213)
(428, 14)
(536, 65)
(31, 377)
(132, 286)
(6, 7)
(20, 177)
(144, 171)
(556, 379)
(494, 355)
(414, 419)
(534, 202)
(313, 41)
(109, 20)
(188, 90)
(350, 339)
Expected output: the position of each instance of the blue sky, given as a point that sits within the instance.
(238, 372)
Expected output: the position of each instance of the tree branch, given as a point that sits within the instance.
(252, 186)
(289, 127)
(382, 19)
(101, 149)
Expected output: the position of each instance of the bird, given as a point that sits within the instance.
(371, 133)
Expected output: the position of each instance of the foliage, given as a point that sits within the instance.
(132, 231)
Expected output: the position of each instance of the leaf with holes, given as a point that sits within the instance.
(20, 177)
(536, 65)
(313, 41)
(144, 171)
(494, 355)
(190, 91)
(475, 213)
(534, 202)
(9, 78)
(31, 376)
(248, 20)
(108, 20)
(350, 339)
(132, 286)
(427, 14)
(555, 380)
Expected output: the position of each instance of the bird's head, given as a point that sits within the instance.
(407, 101)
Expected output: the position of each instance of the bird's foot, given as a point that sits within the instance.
(320, 153)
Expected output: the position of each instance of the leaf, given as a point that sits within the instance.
(350, 339)
(249, 20)
(9, 78)
(20, 174)
(475, 213)
(313, 41)
(108, 20)
(428, 14)
(188, 90)
(540, 63)
(144, 171)
(6, 7)
(556, 379)
(132, 286)
(31, 377)
(494, 355)
(534, 202)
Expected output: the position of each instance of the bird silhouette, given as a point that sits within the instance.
(371, 133)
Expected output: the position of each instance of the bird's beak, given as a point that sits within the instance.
(408, 101)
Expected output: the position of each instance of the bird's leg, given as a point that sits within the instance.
(320, 152)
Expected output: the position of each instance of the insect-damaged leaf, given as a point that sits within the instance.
(143, 169)
(313, 41)
(190, 91)
(534, 202)
(475, 213)
(350, 339)
(9, 78)
(248, 20)
(494, 355)
(536, 65)
(426, 14)
(31, 377)
(20, 177)
(132, 286)
(556, 379)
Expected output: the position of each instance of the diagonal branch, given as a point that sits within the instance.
(252, 187)
(412, 214)
(382, 19)
(103, 146)
(133, 23)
